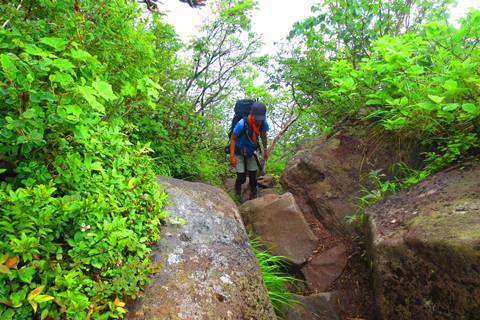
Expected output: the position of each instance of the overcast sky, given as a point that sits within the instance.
(273, 20)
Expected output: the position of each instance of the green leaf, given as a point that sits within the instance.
(4, 269)
(64, 79)
(31, 113)
(131, 183)
(470, 108)
(80, 55)
(80, 132)
(451, 86)
(8, 67)
(347, 82)
(427, 106)
(436, 99)
(128, 90)
(36, 51)
(73, 109)
(18, 297)
(7, 314)
(104, 89)
(26, 274)
(3, 257)
(373, 102)
(58, 44)
(42, 96)
(403, 101)
(35, 292)
(44, 314)
(43, 298)
(451, 107)
(63, 64)
(416, 70)
(96, 263)
(97, 166)
(396, 123)
(89, 94)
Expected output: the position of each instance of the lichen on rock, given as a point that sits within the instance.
(208, 269)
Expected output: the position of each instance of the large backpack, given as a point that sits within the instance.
(242, 110)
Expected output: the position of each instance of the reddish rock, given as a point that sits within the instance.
(325, 268)
(267, 182)
(264, 192)
(315, 307)
(326, 175)
(278, 221)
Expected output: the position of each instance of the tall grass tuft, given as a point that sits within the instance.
(276, 280)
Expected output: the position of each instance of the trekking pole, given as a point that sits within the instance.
(261, 171)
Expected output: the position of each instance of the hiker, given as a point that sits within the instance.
(244, 142)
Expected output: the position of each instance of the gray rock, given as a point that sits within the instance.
(208, 270)
(278, 221)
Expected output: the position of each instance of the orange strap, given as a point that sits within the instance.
(255, 129)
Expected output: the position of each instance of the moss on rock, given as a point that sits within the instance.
(426, 248)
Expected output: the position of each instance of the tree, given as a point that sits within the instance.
(347, 28)
(224, 46)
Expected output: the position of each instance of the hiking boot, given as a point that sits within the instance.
(253, 193)
(238, 191)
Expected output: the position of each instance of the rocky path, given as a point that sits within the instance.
(336, 281)
(423, 249)
(418, 257)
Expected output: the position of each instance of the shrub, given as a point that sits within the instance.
(78, 200)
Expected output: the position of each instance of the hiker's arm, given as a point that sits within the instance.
(233, 160)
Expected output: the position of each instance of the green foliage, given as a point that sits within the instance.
(78, 200)
(91, 112)
(276, 164)
(429, 88)
(378, 187)
(274, 277)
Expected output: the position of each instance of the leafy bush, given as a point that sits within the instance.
(419, 81)
(78, 200)
(421, 86)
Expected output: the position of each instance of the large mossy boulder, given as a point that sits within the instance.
(207, 269)
(425, 245)
(326, 174)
